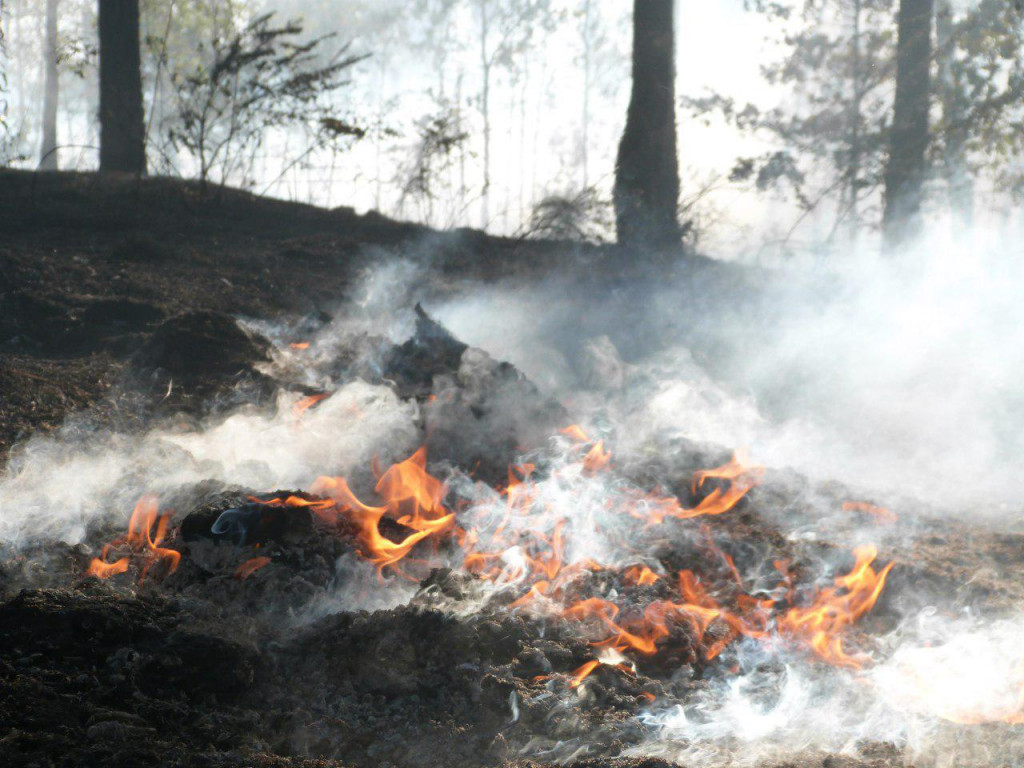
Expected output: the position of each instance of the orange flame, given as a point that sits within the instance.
(640, 575)
(881, 515)
(303, 405)
(742, 478)
(142, 541)
(249, 567)
(299, 345)
(411, 497)
(583, 673)
(575, 433)
(821, 625)
(597, 458)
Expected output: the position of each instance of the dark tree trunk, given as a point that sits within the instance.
(122, 137)
(647, 170)
(905, 172)
(48, 150)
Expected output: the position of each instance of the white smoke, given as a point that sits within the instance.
(892, 375)
(55, 486)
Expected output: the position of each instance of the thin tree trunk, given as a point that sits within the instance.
(905, 171)
(122, 129)
(955, 106)
(485, 109)
(51, 90)
(463, 190)
(587, 54)
(855, 118)
(647, 171)
(523, 112)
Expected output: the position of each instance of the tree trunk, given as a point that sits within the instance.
(647, 170)
(855, 120)
(485, 110)
(587, 74)
(955, 108)
(51, 91)
(908, 140)
(122, 132)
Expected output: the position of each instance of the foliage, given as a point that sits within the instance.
(982, 93)
(440, 138)
(829, 142)
(584, 216)
(6, 141)
(3, 72)
(249, 83)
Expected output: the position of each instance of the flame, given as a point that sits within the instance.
(532, 558)
(142, 542)
(575, 433)
(833, 610)
(641, 632)
(249, 567)
(411, 497)
(583, 673)
(103, 570)
(741, 477)
(304, 404)
(640, 576)
(881, 515)
(735, 468)
(597, 458)
(299, 345)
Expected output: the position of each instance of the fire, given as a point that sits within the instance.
(412, 498)
(640, 576)
(833, 610)
(522, 545)
(881, 515)
(141, 541)
(249, 567)
(597, 458)
(583, 673)
(299, 345)
(575, 433)
(741, 477)
(642, 631)
(304, 404)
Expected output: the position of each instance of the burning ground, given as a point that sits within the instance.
(355, 540)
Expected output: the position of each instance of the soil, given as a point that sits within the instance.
(116, 299)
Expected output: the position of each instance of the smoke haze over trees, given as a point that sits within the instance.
(508, 114)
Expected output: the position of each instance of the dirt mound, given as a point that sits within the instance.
(195, 358)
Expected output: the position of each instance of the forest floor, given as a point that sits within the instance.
(89, 266)
(207, 669)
